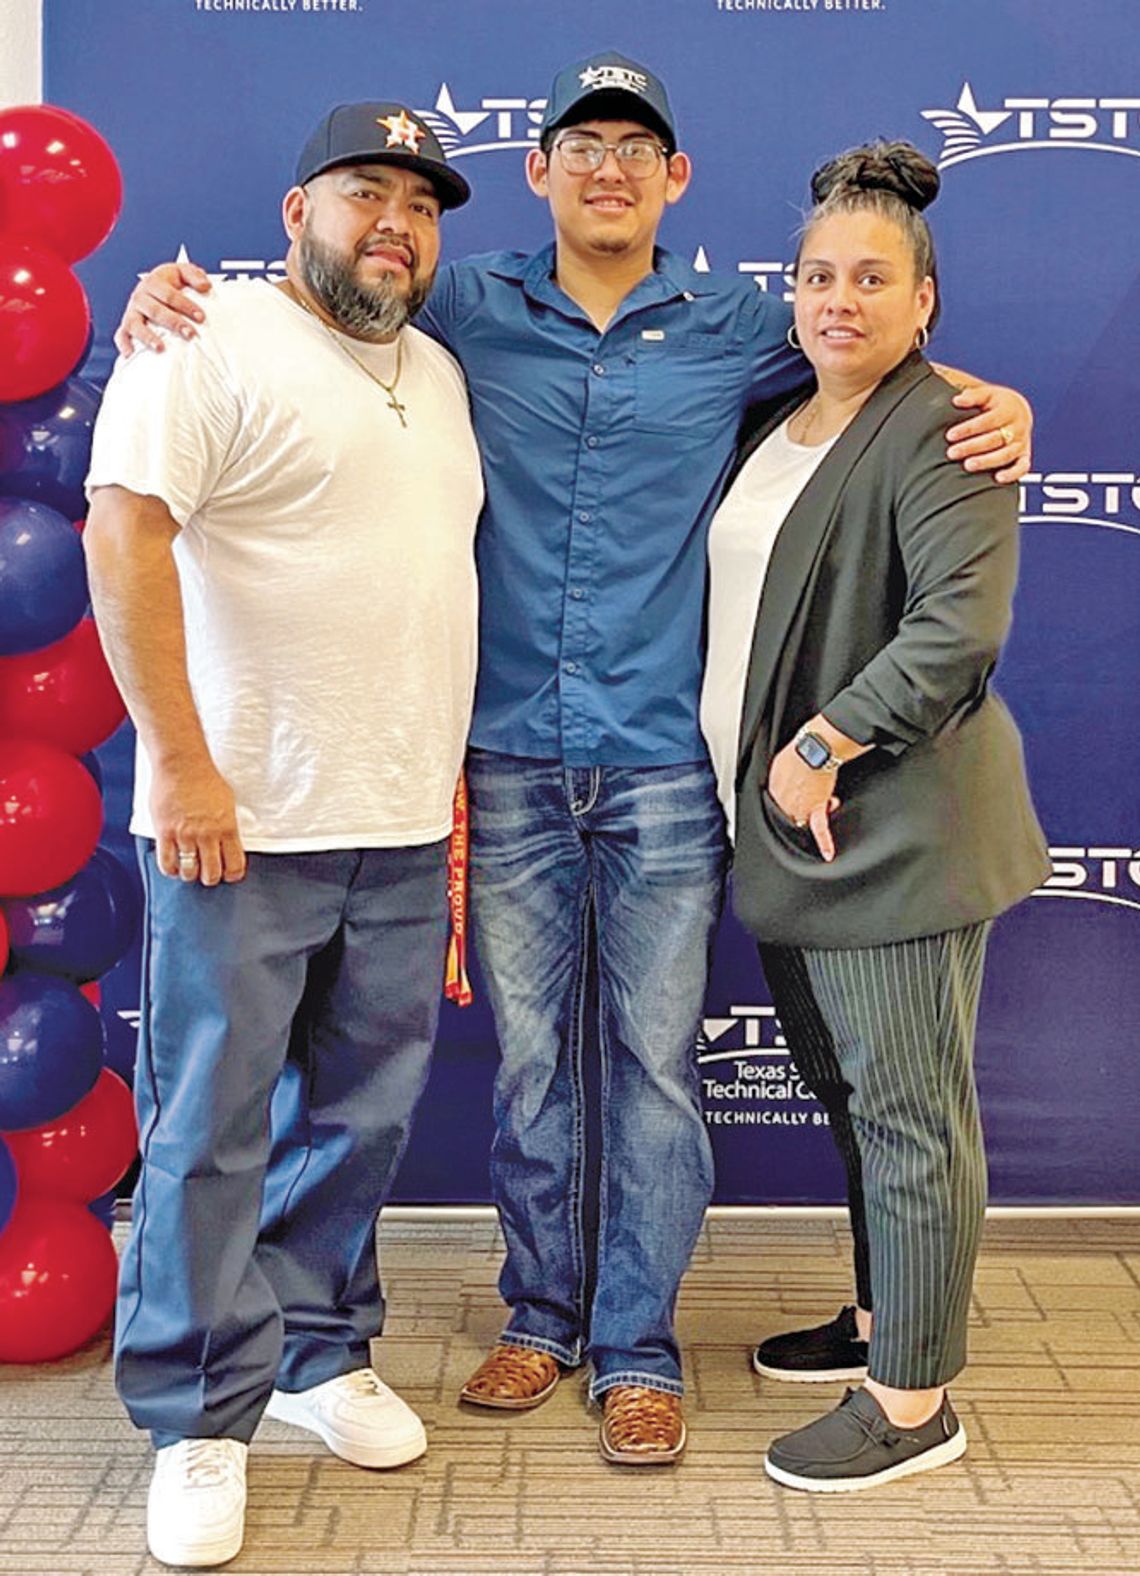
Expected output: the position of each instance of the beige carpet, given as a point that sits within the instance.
(1050, 1484)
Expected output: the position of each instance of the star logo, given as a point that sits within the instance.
(465, 119)
(964, 127)
(402, 131)
(986, 120)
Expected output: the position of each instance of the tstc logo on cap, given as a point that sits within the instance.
(1100, 125)
(613, 79)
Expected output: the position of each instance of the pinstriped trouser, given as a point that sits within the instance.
(885, 1038)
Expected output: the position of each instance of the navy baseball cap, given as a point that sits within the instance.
(382, 133)
(604, 86)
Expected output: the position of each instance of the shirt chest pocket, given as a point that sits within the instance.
(686, 384)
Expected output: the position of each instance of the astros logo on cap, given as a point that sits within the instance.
(402, 131)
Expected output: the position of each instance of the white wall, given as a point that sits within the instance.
(21, 56)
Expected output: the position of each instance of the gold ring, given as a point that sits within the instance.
(1007, 436)
(187, 857)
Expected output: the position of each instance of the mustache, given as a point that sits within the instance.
(391, 241)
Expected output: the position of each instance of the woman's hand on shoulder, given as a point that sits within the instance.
(159, 301)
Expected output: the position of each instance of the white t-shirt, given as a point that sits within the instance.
(741, 538)
(326, 564)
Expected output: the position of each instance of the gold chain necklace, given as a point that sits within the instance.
(805, 420)
(810, 414)
(389, 388)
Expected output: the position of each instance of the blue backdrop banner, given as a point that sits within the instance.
(1032, 110)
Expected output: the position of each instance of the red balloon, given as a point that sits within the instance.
(82, 1153)
(63, 694)
(60, 186)
(44, 320)
(57, 1280)
(51, 814)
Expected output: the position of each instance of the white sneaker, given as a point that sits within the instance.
(358, 1418)
(195, 1512)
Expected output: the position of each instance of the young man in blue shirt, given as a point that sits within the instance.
(607, 381)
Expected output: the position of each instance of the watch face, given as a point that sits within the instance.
(813, 750)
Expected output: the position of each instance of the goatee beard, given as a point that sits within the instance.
(373, 312)
(608, 248)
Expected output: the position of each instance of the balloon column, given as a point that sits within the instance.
(68, 909)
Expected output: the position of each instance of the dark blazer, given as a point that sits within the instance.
(885, 605)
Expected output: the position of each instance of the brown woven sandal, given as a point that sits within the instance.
(641, 1427)
(513, 1377)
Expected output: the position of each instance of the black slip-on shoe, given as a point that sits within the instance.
(857, 1446)
(826, 1351)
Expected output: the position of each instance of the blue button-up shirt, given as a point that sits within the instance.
(604, 455)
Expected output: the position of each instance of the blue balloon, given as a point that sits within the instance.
(122, 1049)
(80, 929)
(103, 1208)
(51, 1049)
(91, 762)
(43, 579)
(8, 1184)
(45, 446)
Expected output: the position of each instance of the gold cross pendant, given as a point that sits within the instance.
(394, 404)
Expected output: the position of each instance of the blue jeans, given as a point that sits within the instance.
(286, 1030)
(635, 856)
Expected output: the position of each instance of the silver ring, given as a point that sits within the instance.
(188, 857)
(800, 824)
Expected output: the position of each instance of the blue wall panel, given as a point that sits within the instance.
(1033, 109)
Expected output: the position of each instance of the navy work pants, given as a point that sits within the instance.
(286, 1029)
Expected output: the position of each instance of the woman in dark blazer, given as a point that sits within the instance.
(882, 813)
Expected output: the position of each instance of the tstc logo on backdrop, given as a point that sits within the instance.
(748, 1078)
(1109, 500)
(494, 123)
(1107, 873)
(1022, 122)
(238, 267)
(769, 277)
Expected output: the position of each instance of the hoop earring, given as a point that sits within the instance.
(793, 337)
(922, 338)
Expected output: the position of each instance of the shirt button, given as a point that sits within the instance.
(599, 368)
(584, 516)
(577, 593)
(591, 442)
(570, 667)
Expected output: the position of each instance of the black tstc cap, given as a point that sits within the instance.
(381, 133)
(614, 84)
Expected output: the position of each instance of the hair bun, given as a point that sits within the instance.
(895, 167)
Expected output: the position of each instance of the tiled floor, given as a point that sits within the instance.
(1051, 1403)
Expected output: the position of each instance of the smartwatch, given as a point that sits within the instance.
(815, 752)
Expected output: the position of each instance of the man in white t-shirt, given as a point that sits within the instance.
(280, 549)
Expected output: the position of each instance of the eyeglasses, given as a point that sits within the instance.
(638, 157)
